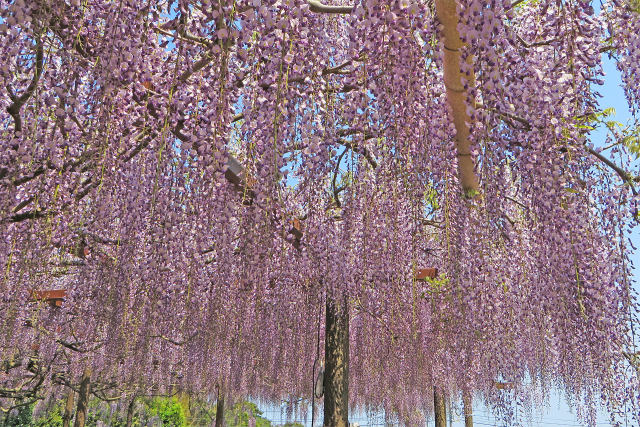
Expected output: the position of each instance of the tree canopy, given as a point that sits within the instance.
(199, 177)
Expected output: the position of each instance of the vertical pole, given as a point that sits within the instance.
(457, 94)
(130, 411)
(336, 374)
(83, 398)
(220, 409)
(68, 410)
(439, 408)
(467, 403)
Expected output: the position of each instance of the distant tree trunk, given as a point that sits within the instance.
(68, 410)
(220, 410)
(467, 403)
(83, 399)
(439, 407)
(336, 374)
(130, 411)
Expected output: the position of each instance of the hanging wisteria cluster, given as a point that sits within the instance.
(623, 26)
(199, 176)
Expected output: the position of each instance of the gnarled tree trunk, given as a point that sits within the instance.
(130, 411)
(68, 410)
(439, 408)
(83, 399)
(220, 410)
(336, 374)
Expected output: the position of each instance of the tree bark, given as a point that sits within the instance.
(220, 410)
(439, 408)
(467, 403)
(457, 94)
(336, 374)
(68, 410)
(83, 399)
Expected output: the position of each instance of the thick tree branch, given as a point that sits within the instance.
(336, 190)
(34, 214)
(184, 37)
(457, 94)
(59, 26)
(20, 403)
(19, 101)
(316, 6)
(360, 150)
(633, 358)
(626, 177)
(199, 65)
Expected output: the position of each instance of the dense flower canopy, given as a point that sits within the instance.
(155, 154)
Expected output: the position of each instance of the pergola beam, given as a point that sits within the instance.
(316, 6)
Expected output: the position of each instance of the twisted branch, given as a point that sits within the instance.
(19, 101)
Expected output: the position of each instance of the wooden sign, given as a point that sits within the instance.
(53, 296)
(426, 273)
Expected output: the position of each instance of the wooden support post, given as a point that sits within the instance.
(457, 93)
(220, 409)
(467, 404)
(439, 408)
(83, 399)
(68, 410)
(336, 374)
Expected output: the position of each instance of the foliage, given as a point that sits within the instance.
(51, 417)
(241, 414)
(99, 412)
(17, 418)
(168, 410)
(620, 134)
(198, 411)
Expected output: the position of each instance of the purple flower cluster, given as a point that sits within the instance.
(122, 125)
